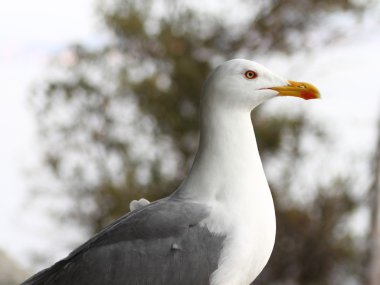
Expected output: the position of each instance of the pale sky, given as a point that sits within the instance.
(346, 72)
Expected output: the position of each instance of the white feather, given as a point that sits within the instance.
(136, 204)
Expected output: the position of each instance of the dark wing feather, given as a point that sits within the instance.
(161, 243)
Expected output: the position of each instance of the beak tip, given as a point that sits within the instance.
(310, 96)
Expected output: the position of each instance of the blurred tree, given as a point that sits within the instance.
(120, 122)
(11, 273)
(374, 201)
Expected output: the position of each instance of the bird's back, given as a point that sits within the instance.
(161, 243)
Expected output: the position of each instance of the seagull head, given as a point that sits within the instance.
(245, 84)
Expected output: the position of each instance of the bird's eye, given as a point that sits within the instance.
(250, 74)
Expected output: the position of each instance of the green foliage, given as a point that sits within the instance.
(121, 122)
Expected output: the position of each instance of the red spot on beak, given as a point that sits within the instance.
(307, 95)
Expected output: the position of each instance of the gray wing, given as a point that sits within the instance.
(161, 243)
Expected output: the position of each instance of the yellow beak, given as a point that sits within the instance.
(298, 89)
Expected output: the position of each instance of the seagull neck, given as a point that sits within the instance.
(227, 165)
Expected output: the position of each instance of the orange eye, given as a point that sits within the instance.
(250, 74)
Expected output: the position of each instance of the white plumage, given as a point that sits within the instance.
(227, 174)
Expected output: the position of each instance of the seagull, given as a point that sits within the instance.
(219, 226)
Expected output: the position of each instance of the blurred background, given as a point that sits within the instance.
(99, 106)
